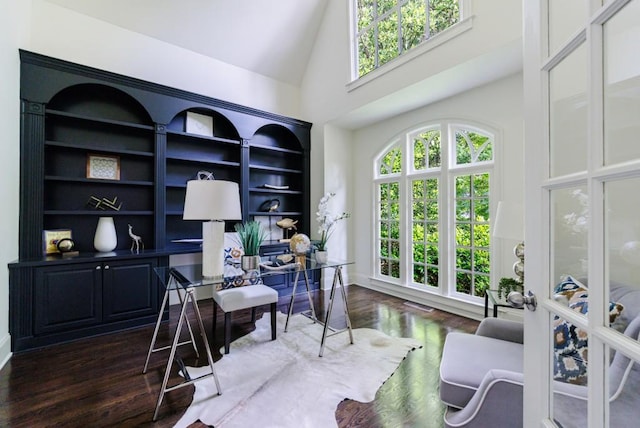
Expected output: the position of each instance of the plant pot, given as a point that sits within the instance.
(105, 239)
(321, 256)
(250, 263)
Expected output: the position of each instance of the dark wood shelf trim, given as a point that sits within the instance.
(119, 79)
(202, 161)
(99, 120)
(275, 169)
(90, 148)
(203, 137)
(275, 149)
(278, 191)
(100, 213)
(277, 213)
(177, 185)
(98, 181)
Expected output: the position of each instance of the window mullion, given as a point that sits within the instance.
(427, 27)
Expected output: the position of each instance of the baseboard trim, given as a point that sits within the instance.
(5, 350)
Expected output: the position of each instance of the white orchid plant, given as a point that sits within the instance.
(326, 221)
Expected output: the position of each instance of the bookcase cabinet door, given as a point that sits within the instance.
(130, 289)
(67, 298)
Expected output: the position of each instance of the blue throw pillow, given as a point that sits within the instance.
(570, 342)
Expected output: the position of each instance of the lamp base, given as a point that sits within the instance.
(213, 249)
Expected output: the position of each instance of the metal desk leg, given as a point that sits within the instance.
(345, 304)
(196, 309)
(164, 389)
(337, 280)
(152, 345)
(293, 296)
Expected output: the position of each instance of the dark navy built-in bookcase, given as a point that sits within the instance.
(71, 113)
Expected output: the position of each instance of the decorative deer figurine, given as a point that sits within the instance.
(137, 240)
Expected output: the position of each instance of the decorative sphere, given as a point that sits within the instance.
(65, 245)
(300, 243)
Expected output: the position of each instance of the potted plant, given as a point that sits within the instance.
(507, 285)
(251, 236)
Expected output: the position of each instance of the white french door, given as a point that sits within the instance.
(582, 205)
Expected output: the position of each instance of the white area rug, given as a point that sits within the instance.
(283, 383)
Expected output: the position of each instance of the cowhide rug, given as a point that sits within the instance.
(284, 383)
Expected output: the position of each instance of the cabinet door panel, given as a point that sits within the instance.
(130, 289)
(67, 298)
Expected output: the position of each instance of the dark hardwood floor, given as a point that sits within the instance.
(98, 382)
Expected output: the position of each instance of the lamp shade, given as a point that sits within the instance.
(212, 200)
(509, 222)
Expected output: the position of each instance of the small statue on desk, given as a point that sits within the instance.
(136, 240)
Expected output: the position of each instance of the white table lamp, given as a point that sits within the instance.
(213, 202)
(509, 224)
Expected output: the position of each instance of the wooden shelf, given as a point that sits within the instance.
(91, 148)
(98, 181)
(98, 119)
(276, 149)
(97, 213)
(275, 169)
(274, 191)
(204, 137)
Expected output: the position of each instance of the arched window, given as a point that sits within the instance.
(433, 209)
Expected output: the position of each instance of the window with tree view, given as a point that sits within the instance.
(447, 205)
(386, 29)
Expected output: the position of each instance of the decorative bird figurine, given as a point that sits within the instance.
(136, 240)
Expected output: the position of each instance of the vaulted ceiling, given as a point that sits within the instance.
(244, 33)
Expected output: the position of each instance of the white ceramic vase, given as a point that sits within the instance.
(321, 256)
(105, 239)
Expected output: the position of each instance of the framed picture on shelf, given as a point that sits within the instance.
(104, 167)
(199, 124)
(50, 239)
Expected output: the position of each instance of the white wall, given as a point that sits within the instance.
(13, 33)
(71, 36)
(498, 105)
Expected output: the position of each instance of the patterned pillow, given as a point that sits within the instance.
(236, 277)
(233, 251)
(570, 342)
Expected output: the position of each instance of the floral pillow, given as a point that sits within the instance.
(570, 342)
(233, 251)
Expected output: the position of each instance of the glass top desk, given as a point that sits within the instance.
(186, 278)
(497, 299)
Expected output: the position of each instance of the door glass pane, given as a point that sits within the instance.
(622, 85)
(569, 372)
(566, 17)
(624, 378)
(568, 114)
(569, 227)
(622, 243)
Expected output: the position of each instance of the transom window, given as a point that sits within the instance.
(385, 29)
(433, 209)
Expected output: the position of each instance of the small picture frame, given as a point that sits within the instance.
(51, 237)
(103, 167)
(199, 124)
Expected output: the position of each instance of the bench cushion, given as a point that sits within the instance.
(462, 373)
(248, 296)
